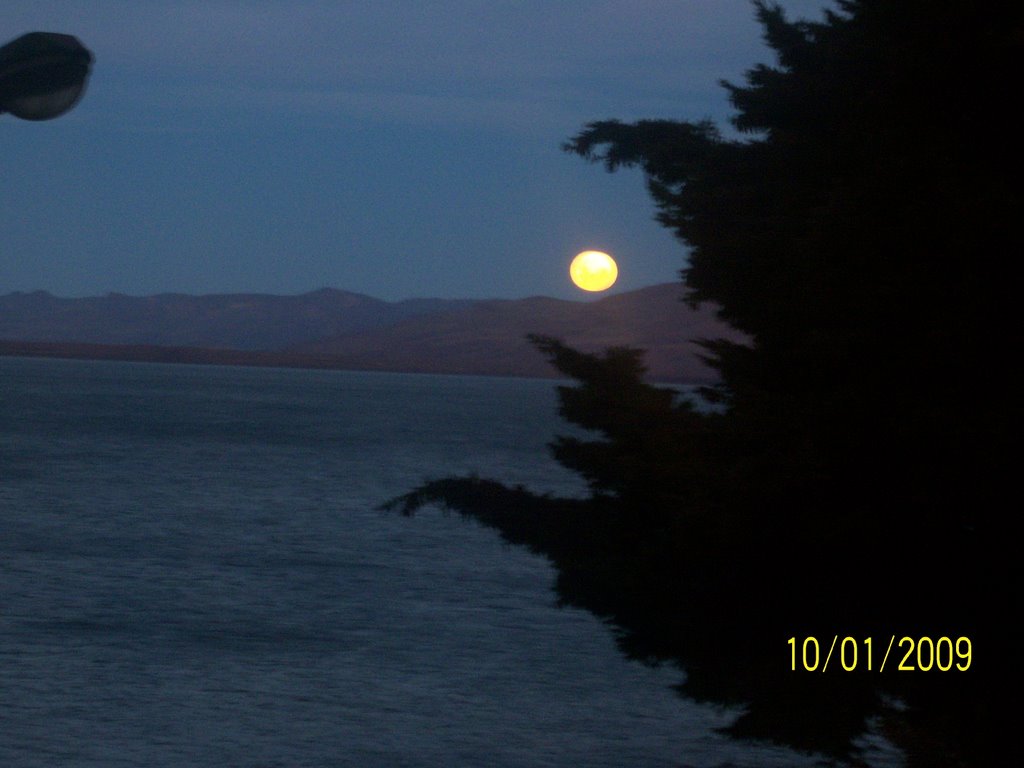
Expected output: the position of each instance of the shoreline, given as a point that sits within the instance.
(176, 355)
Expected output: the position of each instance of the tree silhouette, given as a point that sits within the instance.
(858, 230)
(858, 235)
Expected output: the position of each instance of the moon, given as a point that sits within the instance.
(593, 271)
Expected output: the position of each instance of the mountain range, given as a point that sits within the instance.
(332, 328)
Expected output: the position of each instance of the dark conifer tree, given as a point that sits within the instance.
(861, 230)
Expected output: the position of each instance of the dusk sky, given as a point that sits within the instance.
(397, 149)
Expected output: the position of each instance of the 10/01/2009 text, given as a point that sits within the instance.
(919, 654)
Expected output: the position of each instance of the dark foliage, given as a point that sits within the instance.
(857, 481)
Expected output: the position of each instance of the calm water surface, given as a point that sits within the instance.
(193, 573)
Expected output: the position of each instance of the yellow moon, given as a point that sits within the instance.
(593, 271)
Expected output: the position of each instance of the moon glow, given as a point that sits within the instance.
(593, 271)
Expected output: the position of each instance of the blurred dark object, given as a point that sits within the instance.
(42, 75)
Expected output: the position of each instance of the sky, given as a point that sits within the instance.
(393, 148)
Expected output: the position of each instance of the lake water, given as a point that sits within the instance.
(193, 572)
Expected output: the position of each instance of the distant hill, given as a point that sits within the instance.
(488, 337)
(230, 321)
(338, 329)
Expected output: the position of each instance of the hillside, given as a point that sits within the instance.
(488, 337)
(337, 329)
(229, 321)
